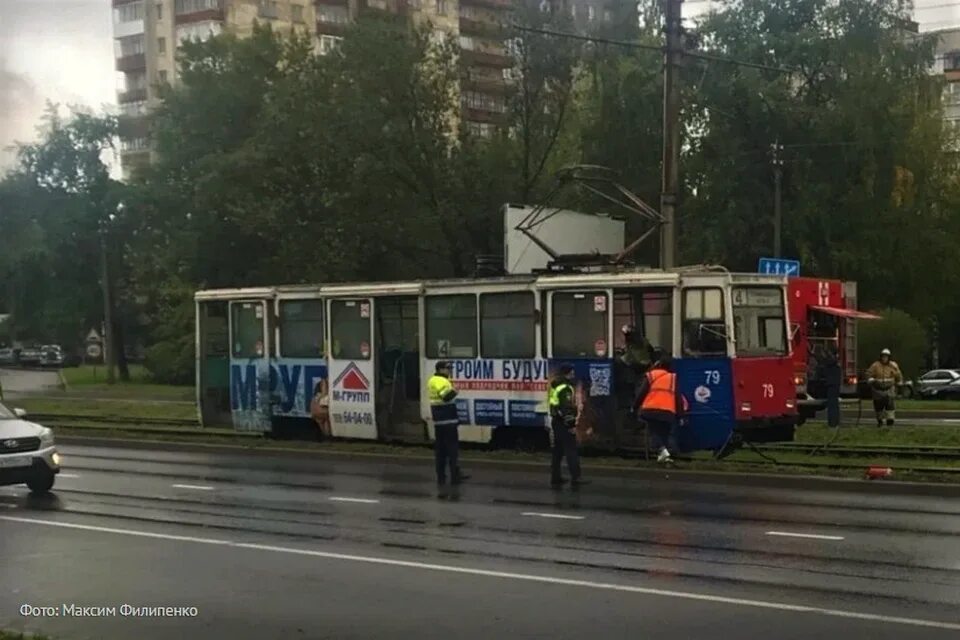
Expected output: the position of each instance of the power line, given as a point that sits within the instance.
(649, 47)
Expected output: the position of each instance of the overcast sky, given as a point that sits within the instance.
(61, 50)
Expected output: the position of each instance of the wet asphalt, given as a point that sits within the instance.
(326, 546)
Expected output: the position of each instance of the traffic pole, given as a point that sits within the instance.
(671, 133)
(107, 307)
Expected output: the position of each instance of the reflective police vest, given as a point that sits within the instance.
(443, 412)
(553, 397)
(662, 395)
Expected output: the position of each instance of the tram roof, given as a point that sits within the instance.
(636, 276)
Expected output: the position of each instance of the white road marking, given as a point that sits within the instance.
(607, 586)
(68, 475)
(812, 536)
(558, 516)
(195, 487)
(357, 500)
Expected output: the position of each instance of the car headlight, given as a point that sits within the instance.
(46, 437)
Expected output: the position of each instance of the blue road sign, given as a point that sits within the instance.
(779, 267)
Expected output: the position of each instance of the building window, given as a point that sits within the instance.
(162, 76)
(591, 13)
(198, 31)
(468, 43)
(161, 45)
(301, 329)
(607, 15)
(482, 129)
(129, 12)
(508, 325)
(296, 12)
(451, 323)
(135, 81)
(159, 12)
(441, 7)
(573, 10)
(328, 44)
(134, 144)
(580, 324)
(129, 46)
(134, 108)
(269, 9)
(333, 15)
(195, 6)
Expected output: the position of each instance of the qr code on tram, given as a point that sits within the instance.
(599, 381)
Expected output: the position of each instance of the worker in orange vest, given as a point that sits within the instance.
(661, 406)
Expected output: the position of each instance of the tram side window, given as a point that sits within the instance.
(247, 324)
(580, 324)
(301, 329)
(451, 326)
(758, 321)
(350, 329)
(704, 329)
(508, 325)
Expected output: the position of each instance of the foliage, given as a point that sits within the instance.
(278, 165)
(897, 331)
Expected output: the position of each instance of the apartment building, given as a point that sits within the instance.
(147, 34)
(947, 64)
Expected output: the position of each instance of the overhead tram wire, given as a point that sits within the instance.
(650, 47)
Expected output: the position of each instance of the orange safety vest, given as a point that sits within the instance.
(662, 395)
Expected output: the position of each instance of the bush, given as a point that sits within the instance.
(897, 331)
(172, 361)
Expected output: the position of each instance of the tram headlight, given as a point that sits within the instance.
(746, 407)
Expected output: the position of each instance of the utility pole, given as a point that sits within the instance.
(671, 133)
(108, 356)
(777, 161)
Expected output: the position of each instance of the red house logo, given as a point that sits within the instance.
(351, 385)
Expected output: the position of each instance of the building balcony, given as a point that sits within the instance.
(333, 3)
(133, 95)
(207, 15)
(133, 127)
(483, 28)
(135, 62)
(472, 114)
(120, 3)
(492, 86)
(397, 7)
(485, 59)
(332, 28)
(488, 4)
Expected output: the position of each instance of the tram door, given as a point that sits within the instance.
(353, 392)
(213, 363)
(398, 368)
(250, 398)
(579, 329)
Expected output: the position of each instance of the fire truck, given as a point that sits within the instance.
(823, 325)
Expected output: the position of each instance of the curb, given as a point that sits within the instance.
(733, 477)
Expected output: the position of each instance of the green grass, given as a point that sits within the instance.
(97, 407)
(89, 380)
(902, 434)
(919, 405)
(13, 635)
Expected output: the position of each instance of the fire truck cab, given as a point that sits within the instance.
(823, 326)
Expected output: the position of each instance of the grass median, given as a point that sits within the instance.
(14, 635)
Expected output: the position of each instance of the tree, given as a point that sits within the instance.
(897, 331)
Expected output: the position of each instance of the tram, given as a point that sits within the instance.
(261, 353)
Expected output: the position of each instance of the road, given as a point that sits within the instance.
(16, 382)
(271, 546)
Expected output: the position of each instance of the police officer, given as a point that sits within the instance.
(443, 411)
(883, 376)
(563, 421)
(661, 406)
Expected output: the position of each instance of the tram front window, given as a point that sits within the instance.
(759, 324)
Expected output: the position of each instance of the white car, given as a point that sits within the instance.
(28, 454)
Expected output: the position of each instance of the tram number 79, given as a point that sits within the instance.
(713, 377)
(767, 390)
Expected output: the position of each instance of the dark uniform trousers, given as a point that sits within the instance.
(564, 445)
(446, 451)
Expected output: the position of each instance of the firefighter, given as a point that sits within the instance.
(443, 410)
(661, 406)
(563, 421)
(883, 376)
